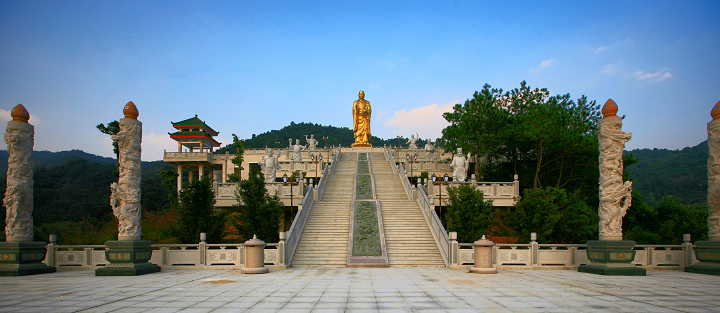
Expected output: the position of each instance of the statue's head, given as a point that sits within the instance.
(459, 150)
(297, 141)
(312, 135)
(361, 94)
(270, 151)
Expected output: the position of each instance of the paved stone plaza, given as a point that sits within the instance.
(361, 290)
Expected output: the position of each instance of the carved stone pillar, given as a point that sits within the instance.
(129, 255)
(20, 255)
(708, 252)
(611, 255)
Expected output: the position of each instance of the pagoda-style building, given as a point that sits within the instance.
(194, 134)
(196, 160)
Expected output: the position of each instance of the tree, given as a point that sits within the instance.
(257, 213)
(552, 213)
(238, 159)
(468, 213)
(197, 213)
(112, 128)
(546, 140)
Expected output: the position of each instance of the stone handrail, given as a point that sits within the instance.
(201, 255)
(187, 156)
(436, 227)
(571, 256)
(405, 182)
(328, 170)
(296, 229)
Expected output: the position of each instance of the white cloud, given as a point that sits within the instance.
(600, 49)
(542, 66)
(5, 116)
(655, 77)
(426, 121)
(154, 144)
(609, 69)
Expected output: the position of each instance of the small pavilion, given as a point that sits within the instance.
(194, 134)
(197, 138)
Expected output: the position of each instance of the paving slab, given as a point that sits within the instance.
(361, 289)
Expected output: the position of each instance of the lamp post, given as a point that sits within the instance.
(312, 159)
(285, 182)
(325, 138)
(435, 181)
(412, 160)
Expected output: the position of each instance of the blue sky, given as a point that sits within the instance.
(247, 67)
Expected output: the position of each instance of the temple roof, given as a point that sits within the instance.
(194, 122)
(207, 140)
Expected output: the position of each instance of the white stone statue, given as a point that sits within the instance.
(125, 194)
(412, 141)
(311, 142)
(713, 165)
(429, 151)
(297, 150)
(459, 166)
(18, 200)
(269, 166)
(615, 195)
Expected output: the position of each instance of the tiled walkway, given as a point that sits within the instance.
(361, 290)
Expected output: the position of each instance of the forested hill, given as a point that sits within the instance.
(336, 136)
(74, 185)
(680, 173)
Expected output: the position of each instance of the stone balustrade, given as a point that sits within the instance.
(570, 256)
(200, 255)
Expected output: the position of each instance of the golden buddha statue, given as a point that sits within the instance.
(361, 121)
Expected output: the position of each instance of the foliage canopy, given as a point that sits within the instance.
(257, 212)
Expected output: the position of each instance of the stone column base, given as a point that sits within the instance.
(481, 270)
(708, 253)
(255, 270)
(611, 258)
(128, 258)
(23, 258)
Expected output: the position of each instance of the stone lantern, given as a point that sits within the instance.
(254, 257)
(483, 257)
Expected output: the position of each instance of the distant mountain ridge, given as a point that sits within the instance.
(658, 172)
(680, 173)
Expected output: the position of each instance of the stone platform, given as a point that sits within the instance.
(360, 290)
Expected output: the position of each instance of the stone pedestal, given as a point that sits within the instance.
(23, 258)
(483, 257)
(708, 253)
(128, 258)
(254, 257)
(611, 258)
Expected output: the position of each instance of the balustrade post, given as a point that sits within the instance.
(281, 248)
(51, 249)
(687, 250)
(202, 248)
(454, 252)
(534, 249)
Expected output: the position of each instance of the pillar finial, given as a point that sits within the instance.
(715, 113)
(131, 111)
(609, 109)
(20, 114)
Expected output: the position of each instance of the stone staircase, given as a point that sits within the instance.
(407, 235)
(324, 241)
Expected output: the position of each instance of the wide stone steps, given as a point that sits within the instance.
(324, 241)
(407, 236)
